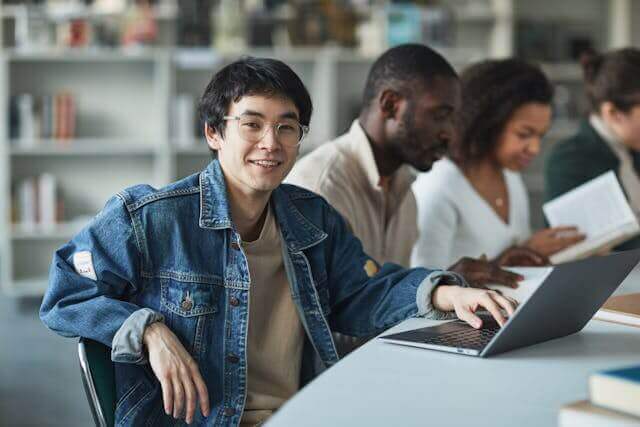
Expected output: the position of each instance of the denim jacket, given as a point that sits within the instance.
(174, 255)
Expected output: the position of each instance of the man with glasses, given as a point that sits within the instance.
(217, 291)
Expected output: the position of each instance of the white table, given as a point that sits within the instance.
(382, 384)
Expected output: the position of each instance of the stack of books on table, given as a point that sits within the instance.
(622, 309)
(614, 401)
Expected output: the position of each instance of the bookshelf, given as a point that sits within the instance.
(126, 134)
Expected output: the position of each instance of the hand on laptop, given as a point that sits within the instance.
(480, 272)
(467, 301)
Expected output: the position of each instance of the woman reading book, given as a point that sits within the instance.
(474, 202)
(609, 139)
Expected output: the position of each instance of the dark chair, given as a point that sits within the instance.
(99, 380)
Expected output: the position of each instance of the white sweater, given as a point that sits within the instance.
(455, 221)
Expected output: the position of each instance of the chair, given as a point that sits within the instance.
(99, 380)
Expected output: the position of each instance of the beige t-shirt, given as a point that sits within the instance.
(275, 337)
(381, 211)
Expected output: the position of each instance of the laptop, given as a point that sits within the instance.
(562, 305)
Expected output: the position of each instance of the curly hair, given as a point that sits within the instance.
(491, 92)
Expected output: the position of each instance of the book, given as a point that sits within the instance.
(14, 118)
(624, 309)
(26, 120)
(46, 121)
(600, 210)
(47, 201)
(617, 389)
(585, 414)
(27, 203)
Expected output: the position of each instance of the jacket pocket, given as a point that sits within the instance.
(186, 307)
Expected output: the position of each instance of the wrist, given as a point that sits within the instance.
(151, 332)
(442, 299)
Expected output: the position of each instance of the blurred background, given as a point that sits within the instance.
(99, 95)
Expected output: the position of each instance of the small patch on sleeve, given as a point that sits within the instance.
(83, 263)
(371, 268)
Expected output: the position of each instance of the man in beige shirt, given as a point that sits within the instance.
(408, 118)
(380, 210)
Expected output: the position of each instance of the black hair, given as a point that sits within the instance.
(491, 92)
(613, 77)
(402, 67)
(252, 76)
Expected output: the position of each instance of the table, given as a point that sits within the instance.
(383, 384)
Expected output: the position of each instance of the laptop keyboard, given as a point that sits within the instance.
(471, 338)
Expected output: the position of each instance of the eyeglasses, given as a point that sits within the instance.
(251, 128)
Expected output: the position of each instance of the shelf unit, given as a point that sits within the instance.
(124, 133)
(124, 110)
(122, 103)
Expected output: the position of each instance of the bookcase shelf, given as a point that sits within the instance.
(196, 149)
(126, 128)
(28, 287)
(82, 147)
(109, 55)
(62, 232)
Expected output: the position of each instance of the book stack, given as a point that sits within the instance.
(622, 309)
(44, 117)
(615, 401)
(36, 203)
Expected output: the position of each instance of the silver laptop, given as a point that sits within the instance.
(562, 305)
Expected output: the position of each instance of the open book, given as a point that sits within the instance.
(600, 210)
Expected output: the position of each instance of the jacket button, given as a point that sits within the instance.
(229, 412)
(235, 246)
(232, 358)
(234, 301)
(186, 304)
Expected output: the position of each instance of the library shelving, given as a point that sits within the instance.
(135, 115)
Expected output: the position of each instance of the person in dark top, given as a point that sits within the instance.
(609, 138)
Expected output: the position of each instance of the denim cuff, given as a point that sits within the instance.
(127, 346)
(425, 292)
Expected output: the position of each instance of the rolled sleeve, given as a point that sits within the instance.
(425, 292)
(127, 345)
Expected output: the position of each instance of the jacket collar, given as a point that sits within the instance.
(298, 232)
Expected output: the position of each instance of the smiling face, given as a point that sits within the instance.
(427, 123)
(255, 168)
(519, 142)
